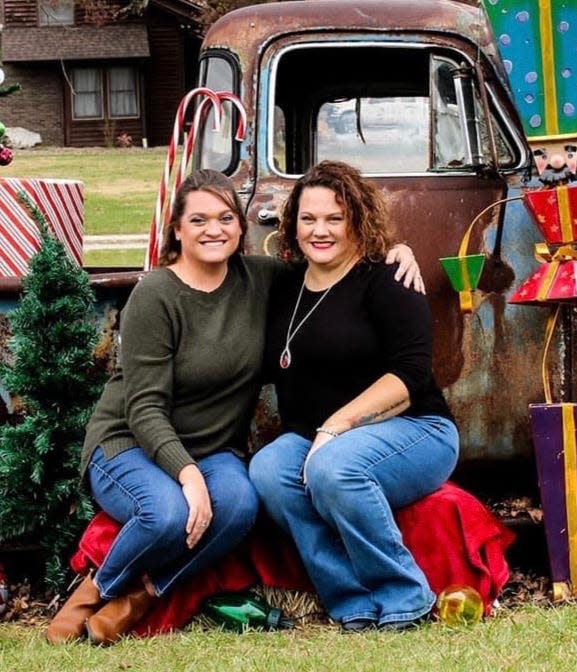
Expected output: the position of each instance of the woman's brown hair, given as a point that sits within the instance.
(214, 183)
(363, 204)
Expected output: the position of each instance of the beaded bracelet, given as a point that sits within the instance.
(323, 430)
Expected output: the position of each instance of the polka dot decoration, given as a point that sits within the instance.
(537, 40)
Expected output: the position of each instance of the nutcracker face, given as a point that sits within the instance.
(555, 156)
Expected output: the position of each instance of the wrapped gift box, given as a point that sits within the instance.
(554, 212)
(552, 282)
(553, 427)
(61, 202)
(536, 41)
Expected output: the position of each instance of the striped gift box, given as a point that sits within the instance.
(61, 202)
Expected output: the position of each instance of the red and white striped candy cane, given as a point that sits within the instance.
(178, 128)
(235, 100)
(199, 118)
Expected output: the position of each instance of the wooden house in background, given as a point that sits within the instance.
(90, 75)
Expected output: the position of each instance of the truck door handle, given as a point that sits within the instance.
(267, 217)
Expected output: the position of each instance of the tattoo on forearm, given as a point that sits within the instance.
(383, 414)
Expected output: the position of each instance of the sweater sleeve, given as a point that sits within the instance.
(402, 321)
(148, 332)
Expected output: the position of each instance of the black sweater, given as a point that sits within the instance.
(367, 325)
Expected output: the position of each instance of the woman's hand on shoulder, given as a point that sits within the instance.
(199, 506)
(408, 271)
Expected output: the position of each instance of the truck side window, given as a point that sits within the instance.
(448, 138)
(215, 149)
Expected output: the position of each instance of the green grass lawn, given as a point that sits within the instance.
(120, 185)
(529, 639)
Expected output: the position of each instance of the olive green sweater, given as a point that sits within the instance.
(189, 370)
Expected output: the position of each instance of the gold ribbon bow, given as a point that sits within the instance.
(544, 256)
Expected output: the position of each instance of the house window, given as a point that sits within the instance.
(122, 94)
(89, 85)
(56, 12)
(87, 93)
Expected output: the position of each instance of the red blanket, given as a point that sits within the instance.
(453, 537)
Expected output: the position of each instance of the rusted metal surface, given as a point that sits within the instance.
(252, 29)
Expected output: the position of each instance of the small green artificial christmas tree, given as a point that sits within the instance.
(54, 374)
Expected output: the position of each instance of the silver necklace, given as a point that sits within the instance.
(285, 355)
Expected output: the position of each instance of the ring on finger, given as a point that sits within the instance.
(204, 523)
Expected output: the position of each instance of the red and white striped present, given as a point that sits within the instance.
(60, 201)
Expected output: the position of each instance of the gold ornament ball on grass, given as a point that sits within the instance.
(460, 605)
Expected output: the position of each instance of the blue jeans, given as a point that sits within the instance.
(342, 520)
(131, 488)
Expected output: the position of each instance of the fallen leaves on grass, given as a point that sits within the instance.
(26, 608)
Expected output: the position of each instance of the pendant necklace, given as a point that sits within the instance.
(285, 357)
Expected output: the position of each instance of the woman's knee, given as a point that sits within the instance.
(331, 482)
(164, 520)
(237, 514)
(275, 465)
(325, 470)
(262, 470)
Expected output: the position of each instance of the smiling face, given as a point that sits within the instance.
(323, 231)
(209, 231)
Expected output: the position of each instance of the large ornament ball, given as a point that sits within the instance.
(6, 156)
(460, 605)
(2, 76)
(2, 129)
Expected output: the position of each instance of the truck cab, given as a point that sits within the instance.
(415, 95)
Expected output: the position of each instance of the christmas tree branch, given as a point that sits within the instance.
(37, 214)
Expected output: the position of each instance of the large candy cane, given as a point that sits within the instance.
(235, 100)
(200, 117)
(157, 221)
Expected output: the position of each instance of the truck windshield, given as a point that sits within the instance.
(384, 108)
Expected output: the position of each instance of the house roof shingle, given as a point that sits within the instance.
(54, 43)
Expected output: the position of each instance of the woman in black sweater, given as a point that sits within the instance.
(366, 428)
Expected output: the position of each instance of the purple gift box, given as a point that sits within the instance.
(553, 427)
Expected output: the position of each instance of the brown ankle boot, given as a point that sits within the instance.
(69, 622)
(117, 617)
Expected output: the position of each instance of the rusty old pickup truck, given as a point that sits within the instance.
(416, 95)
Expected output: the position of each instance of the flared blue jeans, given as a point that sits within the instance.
(342, 519)
(131, 488)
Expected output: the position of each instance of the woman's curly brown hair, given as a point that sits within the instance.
(363, 204)
(214, 183)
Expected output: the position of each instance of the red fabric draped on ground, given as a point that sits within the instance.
(453, 537)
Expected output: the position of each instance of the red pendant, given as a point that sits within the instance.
(285, 359)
